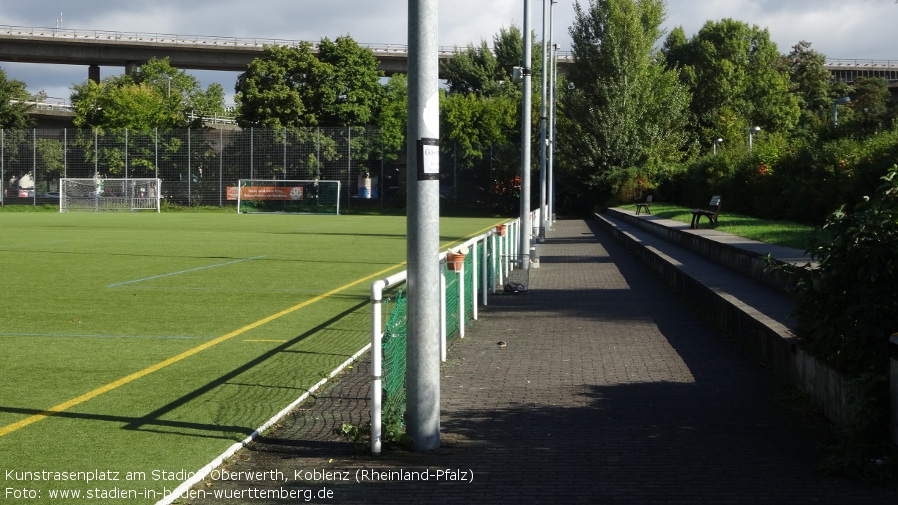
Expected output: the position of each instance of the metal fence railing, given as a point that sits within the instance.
(462, 291)
(196, 166)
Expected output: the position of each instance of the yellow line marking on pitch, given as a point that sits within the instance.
(58, 409)
(462, 241)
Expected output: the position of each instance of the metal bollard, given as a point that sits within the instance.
(893, 419)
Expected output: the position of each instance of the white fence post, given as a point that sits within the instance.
(443, 312)
(376, 365)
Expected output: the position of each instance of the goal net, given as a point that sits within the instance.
(98, 194)
(286, 196)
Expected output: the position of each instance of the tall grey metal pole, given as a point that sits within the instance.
(526, 226)
(552, 98)
(423, 249)
(542, 132)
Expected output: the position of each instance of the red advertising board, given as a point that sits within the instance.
(266, 193)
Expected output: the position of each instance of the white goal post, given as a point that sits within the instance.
(100, 195)
(274, 196)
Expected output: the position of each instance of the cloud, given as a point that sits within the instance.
(861, 29)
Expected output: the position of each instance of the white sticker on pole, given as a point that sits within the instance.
(428, 159)
(432, 115)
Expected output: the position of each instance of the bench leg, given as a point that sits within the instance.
(697, 219)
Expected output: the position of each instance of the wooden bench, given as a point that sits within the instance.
(645, 205)
(712, 212)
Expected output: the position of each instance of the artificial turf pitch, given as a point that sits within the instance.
(146, 344)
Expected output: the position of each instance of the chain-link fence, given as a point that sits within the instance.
(196, 165)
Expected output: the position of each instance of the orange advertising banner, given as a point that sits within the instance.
(265, 193)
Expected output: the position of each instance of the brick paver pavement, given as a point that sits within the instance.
(610, 390)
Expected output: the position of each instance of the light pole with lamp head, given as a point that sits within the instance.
(526, 224)
(551, 70)
(553, 100)
(836, 103)
(716, 141)
(751, 132)
(543, 138)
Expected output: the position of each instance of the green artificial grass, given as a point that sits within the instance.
(153, 342)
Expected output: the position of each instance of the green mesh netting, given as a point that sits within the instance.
(470, 294)
(393, 346)
(394, 339)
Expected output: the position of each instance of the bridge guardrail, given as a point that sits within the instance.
(202, 40)
(862, 64)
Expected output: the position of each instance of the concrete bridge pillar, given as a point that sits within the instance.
(93, 73)
(130, 67)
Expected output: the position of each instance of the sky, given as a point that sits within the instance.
(840, 29)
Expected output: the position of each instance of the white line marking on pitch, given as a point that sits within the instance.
(89, 335)
(183, 271)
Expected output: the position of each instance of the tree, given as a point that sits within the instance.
(278, 89)
(474, 124)
(352, 91)
(813, 86)
(735, 80)
(480, 118)
(183, 93)
(488, 72)
(13, 114)
(870, 103)
(474, 70)
(156, 95)
(627, 110)
(294, 86)
(393, 118)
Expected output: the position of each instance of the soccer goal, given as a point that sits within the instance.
(261, 196)
(100, 195)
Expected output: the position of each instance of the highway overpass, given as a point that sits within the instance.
(97, 48)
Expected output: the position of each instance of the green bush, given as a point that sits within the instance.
(784, 178)
(848, 306)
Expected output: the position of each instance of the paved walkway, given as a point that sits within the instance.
(610, 390)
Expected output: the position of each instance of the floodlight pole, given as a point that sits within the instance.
(526, 225)
(553, 83)
(543, 140)
(423, 246)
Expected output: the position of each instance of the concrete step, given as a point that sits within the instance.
(748, 257)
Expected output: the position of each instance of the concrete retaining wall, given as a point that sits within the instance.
(748, 257)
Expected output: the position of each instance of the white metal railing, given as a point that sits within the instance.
(213, 117)
(57, 104)
(861, 64)
(486, 241)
